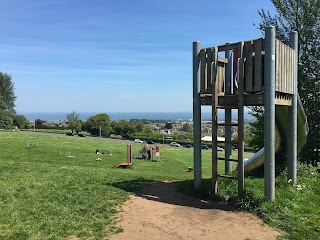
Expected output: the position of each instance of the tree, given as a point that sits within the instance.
(39, 122)
(5, 120)
(187, 128)
(303, 17)
(123, 128)
(7, 96)
(139, 126)
(21, 122)
(74, 122)
(94, 123)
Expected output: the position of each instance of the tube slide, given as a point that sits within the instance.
(281, 143)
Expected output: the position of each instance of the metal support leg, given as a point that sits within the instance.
(269, 118)
(196, 116)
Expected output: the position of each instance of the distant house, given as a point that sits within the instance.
(168, 125)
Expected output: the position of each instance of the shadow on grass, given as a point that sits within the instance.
(172, 193)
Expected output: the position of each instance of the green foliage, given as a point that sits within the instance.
(5, 120)
(139, 126)
(257, 128)
(94, 123)
(187, 128)
(21, 122)
(303, 17)
(74, 122)
(123, 128)
(7, 96)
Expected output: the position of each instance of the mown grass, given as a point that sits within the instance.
(47, 196)
(60, 131)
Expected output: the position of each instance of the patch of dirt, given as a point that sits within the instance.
(160, 211)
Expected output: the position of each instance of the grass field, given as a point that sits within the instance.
(47, 196)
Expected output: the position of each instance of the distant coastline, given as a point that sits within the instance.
(124, 115)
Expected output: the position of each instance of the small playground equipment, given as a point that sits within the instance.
(68, 151)
(149, 152)
(105, 152)
(32, 144)
(129, 158)
(259, 72)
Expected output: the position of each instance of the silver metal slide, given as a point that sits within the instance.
(281, 143)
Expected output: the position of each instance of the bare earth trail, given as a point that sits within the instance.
(160, 211)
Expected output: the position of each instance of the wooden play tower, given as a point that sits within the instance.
(259, 72)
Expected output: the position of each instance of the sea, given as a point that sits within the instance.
(55, 116)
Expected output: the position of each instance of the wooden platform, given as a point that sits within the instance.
(257, 99)
(124, 165)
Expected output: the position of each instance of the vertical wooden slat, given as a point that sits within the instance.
(257, 82)
(282, 76)
(293, 70)
(220, 77)
(248, 67)
(289, 70)
(203, 80)
(214, 124)
(277, 65)
(286, 68)
(208, 64)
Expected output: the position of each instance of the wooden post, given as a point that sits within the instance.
(241, 120)
(129, 154)
(228, 146)
(214, 122)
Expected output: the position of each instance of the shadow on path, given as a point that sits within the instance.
(168, 192)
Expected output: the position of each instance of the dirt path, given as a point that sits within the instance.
(159, 211)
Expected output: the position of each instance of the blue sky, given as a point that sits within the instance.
(114, 56)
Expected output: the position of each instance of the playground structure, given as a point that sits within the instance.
(104, 152)
(129, 158)
(68, 151)
(149, 152)
(33, 144)
(259, 72)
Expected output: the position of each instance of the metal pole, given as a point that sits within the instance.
(100, 131)
(228, 68)
(34, 126)
(292, 125)
(269, 117)
(196, 116)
